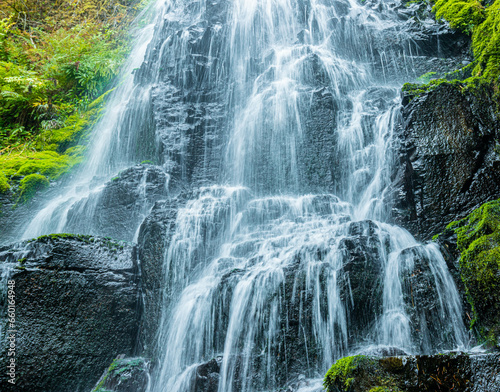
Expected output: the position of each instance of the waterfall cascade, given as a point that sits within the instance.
(280, 115)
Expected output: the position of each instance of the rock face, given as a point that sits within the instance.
(421, 373)
(118, 209)
(448, 157)
(76, 309)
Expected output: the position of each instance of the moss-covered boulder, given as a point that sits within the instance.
(363, 373)
(421, 373)
(478, 241)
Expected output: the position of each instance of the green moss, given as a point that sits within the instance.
(482, 22)
(76, 127)
(48, 163)
(363, 373)
(32, 184)
(462, 14)
(383, 389)
(147, 162)
(415, 89)
(117, 367)
(486, 43)
(478, 241)
(4, 183)
(341, 371)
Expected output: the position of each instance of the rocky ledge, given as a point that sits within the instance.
(456, 372)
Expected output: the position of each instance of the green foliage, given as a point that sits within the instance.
(58, 61)
(31, 184)
(47, 163)
(382, 389)
(486, 44)
(478, 240)
(363, 373)
(426, 78)
(415, 89)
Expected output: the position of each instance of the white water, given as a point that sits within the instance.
(239, 260)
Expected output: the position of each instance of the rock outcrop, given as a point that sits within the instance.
(125, 375)
(76, 308)
(153, 242)
(449, 162)
(421, 373)
(119, 208)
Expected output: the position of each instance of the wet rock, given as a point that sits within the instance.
(76, 309)
(448, 159)
(118, 209)
(125, 375)
(153, 241)
(206, 376)
(448, 372)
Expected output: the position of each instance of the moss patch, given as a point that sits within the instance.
(341, 371)
(478, 241)
(362, 373)
(121, 372)
(32, 184)
(480, 20)
(4, 184)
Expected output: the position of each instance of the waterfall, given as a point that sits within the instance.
(277, 116)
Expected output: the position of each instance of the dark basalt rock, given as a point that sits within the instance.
(206, 376)
(153, 241)
(76, 309)
(118, 209)
(125, 375)
(448, 159)
(422, 373)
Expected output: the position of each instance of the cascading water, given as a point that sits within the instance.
(281, 261)
(272, 284)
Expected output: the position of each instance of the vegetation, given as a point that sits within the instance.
(31, 184)
(120, 369)
(481, 20)
(478, 240)
(363, 373)
(58, 62)
(341, 371)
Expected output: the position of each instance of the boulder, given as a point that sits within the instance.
(76, 308)
(125, 375)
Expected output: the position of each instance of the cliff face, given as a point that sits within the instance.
(448, 159)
